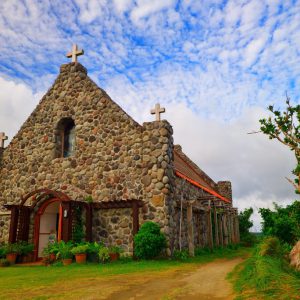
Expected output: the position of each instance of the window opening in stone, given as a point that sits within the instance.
(65, 138)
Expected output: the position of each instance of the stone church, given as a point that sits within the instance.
(80, 158)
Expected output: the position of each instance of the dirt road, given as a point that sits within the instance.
(204, 282)
(188, 282)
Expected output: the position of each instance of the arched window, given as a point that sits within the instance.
(65, 138)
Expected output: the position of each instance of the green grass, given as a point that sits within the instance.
(265, 277)
(35, 277)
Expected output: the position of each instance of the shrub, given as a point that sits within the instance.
(104, 254)
(249, 240)
(12, 248)
(4, 262)
(25, 248)
(201, 251)
(181, 255)
(2, 252)
(270, 247)
(93, 251)
(64, 250)
(80, 249)
(149, 241)
(115, 249)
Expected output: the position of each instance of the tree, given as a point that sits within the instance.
(285, 127)
(282, 222)
(244, 222)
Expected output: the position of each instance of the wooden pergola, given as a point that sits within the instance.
(21, 214)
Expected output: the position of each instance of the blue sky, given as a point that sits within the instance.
(214, 65)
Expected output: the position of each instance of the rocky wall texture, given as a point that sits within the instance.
(114, 227)
(4, 228)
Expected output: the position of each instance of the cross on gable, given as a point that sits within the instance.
(3, 138)
(74, 53)
(157, 111)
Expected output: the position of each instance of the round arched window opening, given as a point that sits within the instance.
(65, 138)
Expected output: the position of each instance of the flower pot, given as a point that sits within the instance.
(114, 256)
(11, 257)
(80, 258)
(27, 258)
(52, 257)
(67, 261)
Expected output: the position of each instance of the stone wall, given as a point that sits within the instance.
(114, 227)
(115, 157)
(4, 227)
(224, 188)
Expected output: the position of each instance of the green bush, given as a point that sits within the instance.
(270, 247)
(249, 240)
(25, 248)
(181, 255)
(115, 249)
(4, 262)
(104, 254)
(2, 251)
(64, 250)
(201, 251)
(80, 249)
(12, 248)
(149, 241)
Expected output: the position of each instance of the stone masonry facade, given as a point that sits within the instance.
(115, 158)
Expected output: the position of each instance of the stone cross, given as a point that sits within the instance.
(74, 53)
(3, 138)
(157, 111)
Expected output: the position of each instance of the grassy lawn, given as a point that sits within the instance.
(19, 282)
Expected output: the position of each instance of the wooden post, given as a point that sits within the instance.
(135, 218)
(232, 227)
(66, 218)
(216, 227)
(190, 226)
(14, 217)
(209, 224)
(225, 228)
(221, 237)
(89, 222)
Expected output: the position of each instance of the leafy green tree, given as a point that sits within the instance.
(285, 127)
(244, 222)
(282, 222)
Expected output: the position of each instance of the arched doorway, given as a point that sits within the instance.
(48, 221)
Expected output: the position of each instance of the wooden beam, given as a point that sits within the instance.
(135, 218)
(117, 204)
(89, 222)
(216, 227)
(190, 227)
(13, 224)
(209, 231)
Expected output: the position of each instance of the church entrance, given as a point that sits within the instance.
(48, 224)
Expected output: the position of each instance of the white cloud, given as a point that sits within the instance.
(144, 8)
(17, 101)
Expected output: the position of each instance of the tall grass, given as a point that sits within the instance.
(265, 276)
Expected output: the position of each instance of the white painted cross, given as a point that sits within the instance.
(3, 138)
(74, 53)
(157, 111)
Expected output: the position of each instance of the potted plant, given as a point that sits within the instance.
(50, 252)
(93, 251)
(114, 253)
(4, 262)
(104, 254)
(80, 253)
(12, 250)
(26, 252)
(64, 252)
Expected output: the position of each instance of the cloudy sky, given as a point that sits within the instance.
(215, 66)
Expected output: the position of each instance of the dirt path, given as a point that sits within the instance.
(188, 282)
(205, 282)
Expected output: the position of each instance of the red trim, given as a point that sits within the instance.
(37, 221)
(195, 183)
